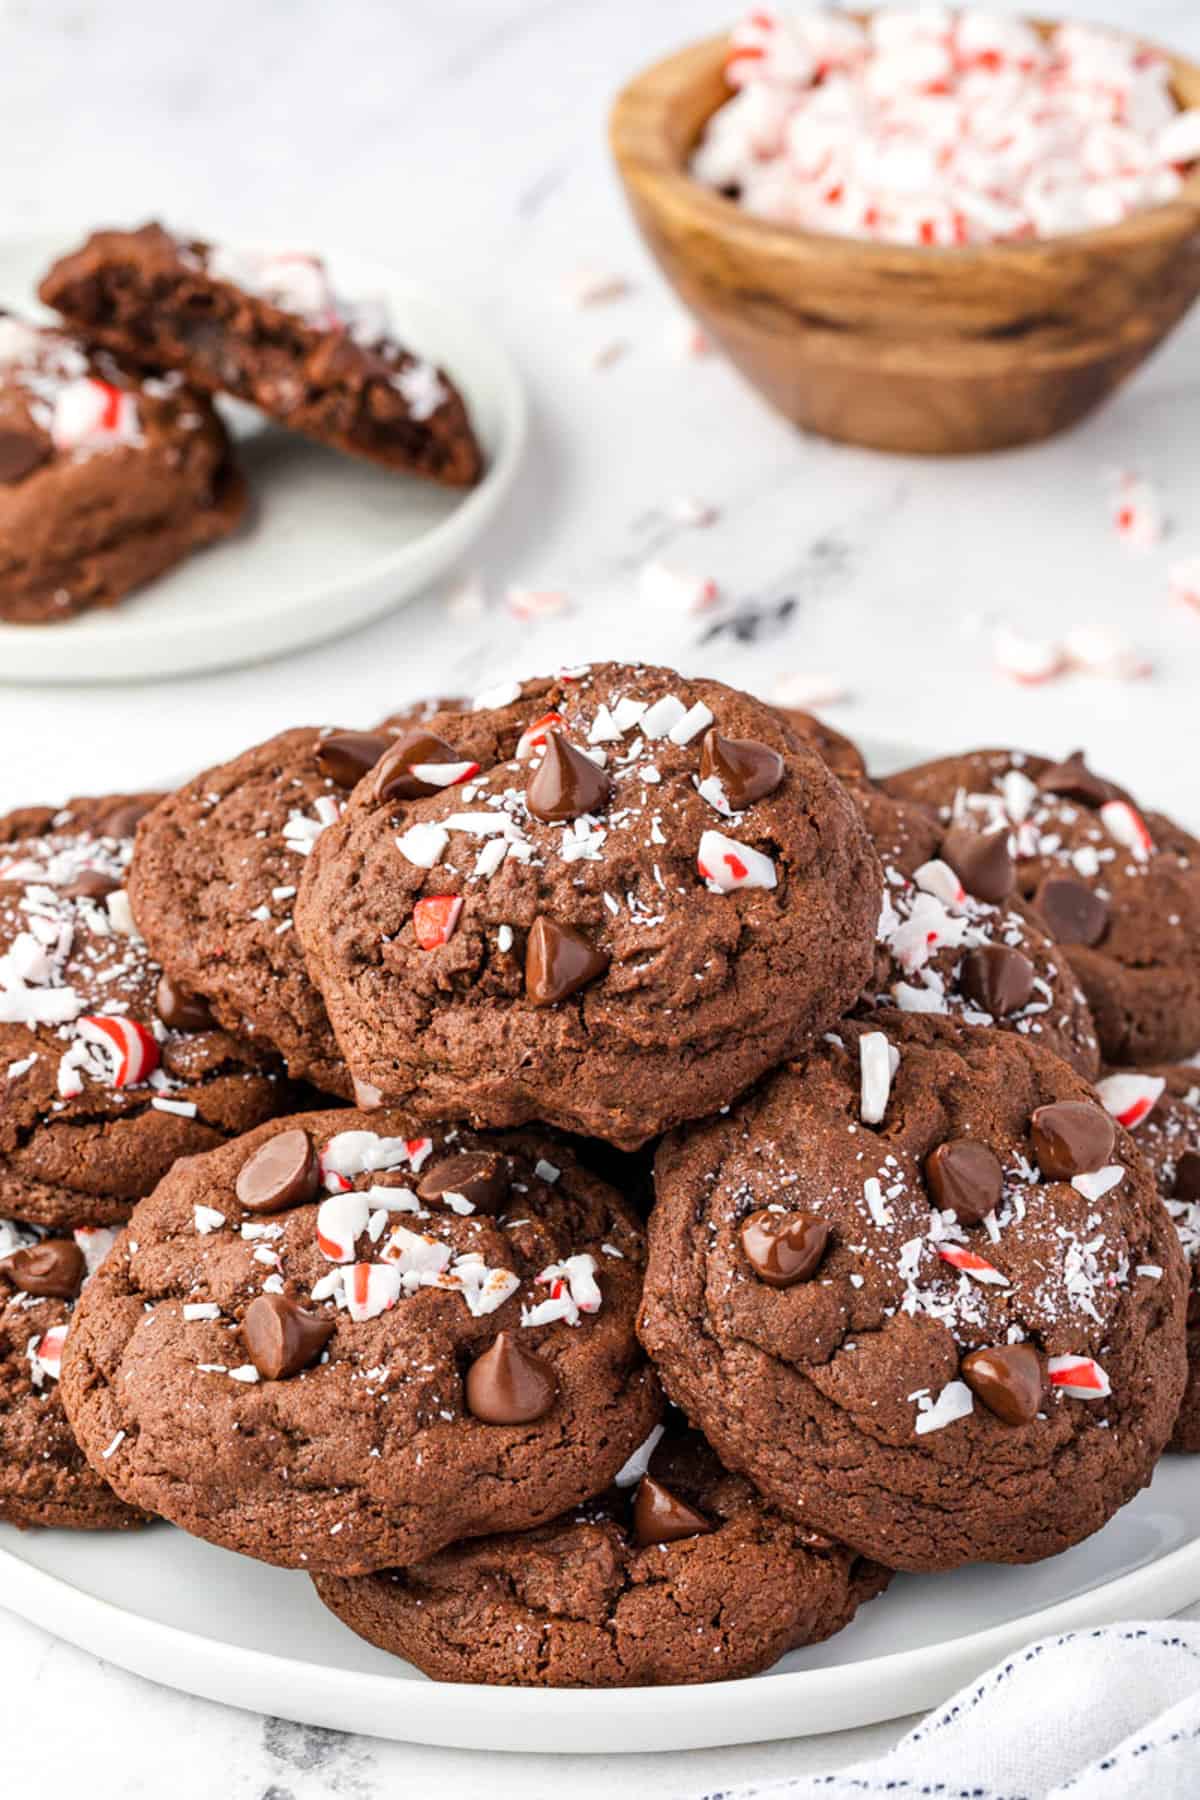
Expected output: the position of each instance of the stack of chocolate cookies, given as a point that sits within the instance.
(114, 463)
(604, 1181)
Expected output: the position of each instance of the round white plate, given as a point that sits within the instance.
(329, 541)
(182, 1612)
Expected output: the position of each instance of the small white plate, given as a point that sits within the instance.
(329, 541)
(211, 1623)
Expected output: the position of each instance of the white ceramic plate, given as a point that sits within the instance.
(329, 543)
(219, 1625)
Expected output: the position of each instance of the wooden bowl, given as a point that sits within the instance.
(932, 351)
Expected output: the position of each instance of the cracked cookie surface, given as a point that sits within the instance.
(586, 1602)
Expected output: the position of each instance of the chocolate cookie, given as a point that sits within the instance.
(684, 1576)
(105, 480)
(955, 938)
(921, 1290)
(44, 1477)
(214, 880)
(1161, 1107)
(268, 327)
(108, 1071)
(837, 751)
(338, 1346)
(609, 901)
(1118, 889)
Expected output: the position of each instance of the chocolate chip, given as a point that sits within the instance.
(509, 1385)
(1073, 913)
(1187, 1177)
(346, 756)
(661, 1517)
(281, 1337)
(783, 1248)
(1073, 780)
(367, 1095)
(746, 769)
(1008, 1379)
(982, 861)
(965, 1178)
(123, 820)
(1071, 1137)
(283, 1172)
(21, 452)
(480, 1176)
(559, 961)
(566, 783)
(51, 1270)
(394, 778)
(92, 884)
(997, 979)
(179, 1010)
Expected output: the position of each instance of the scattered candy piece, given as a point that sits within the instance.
(1079, 1376)
(954, 1402)
(878, 1061)
(1027, 660)
(727, 865)
(535, 603)
(132, 1050)
(1137, 512)
(435, 918)
(1130, 1098)
(669, 589)
(1125, 825)
(977, 1267)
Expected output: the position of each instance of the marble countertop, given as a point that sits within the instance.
(466, 142)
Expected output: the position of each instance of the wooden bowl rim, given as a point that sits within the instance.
(642, 147)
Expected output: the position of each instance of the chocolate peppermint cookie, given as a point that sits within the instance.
(268, 327)
(1117, 888)
(921, 1290)
(838, 752)
(1161, 1107)
(106, 479)
(109, 1070)
(44, 1476)
(609, 901)
(955, 938)
(337, 1345)
(214, 882)
(682, 1574)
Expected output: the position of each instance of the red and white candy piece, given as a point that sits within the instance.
(435, 919)
(95, 1241)
(533, 738)
(45, 1355)
(1079, 1376)
(415, 1254)
(1184, 579)
(955, 1402)
(1027, 660)
(132, 1051)
(1130, 1098)
(1137, 513)
(1093, 1184)
(535, 603)
(665, 588)
(1126, 826)
(969, 1262)
(371, 1288)
(443, 775)
(938, 878)
(93, 415)
(725, 865)
(341, 1220)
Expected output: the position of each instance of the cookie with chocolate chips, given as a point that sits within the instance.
(682, 1574)
(609, 900)
(986, 1358)
(836, 750)
(1161, 1107)
(44, 1477)
(1118, 889)
(214, 882)
(955, 937)
(109, 1071)
(338, 1346)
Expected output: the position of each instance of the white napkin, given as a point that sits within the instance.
(1110, 1714)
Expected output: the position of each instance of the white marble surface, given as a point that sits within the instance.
(467, 140)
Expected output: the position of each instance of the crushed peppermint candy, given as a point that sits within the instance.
(954, 1402)
(1130, 1098)
(932, 128)
(1081, 1377)
(727, 865)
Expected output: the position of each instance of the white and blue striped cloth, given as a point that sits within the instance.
(1108, 1714)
